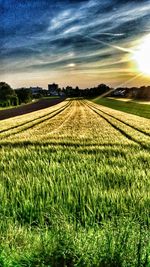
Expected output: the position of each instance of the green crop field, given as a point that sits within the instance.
(141, 109)
(75, 188)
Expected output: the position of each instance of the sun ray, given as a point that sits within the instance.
(121, 85)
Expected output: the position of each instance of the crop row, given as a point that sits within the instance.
(18, 127)
(131, 132)
(74, 190)
(76, 124)
(138, 123)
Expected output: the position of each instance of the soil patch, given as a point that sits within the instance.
(24, 109)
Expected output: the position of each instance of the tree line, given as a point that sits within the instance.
(11, 97)
(89, 92)
(142, 92)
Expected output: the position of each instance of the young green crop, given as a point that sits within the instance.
(130, 106)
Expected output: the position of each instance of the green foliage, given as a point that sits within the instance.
(5, 90)
(5, 103)
(24, 95)
(7, 95)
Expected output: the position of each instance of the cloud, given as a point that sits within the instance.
(46, 35)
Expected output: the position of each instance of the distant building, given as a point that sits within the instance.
(119, 92)
(53, 89)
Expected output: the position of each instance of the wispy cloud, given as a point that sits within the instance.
(50, 35)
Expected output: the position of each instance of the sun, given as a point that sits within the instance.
(142, 56)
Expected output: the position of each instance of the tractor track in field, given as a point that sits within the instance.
(61, 143)
(126, 123)
(24, 123)
(64, 122)
(95, 110)
(56, 112)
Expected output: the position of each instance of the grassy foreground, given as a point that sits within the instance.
(74, 188)
(132, 107)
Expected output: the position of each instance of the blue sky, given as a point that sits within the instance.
(71, 42)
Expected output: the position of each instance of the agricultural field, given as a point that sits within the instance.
(75, 188)
(139, 108)
(37, 104)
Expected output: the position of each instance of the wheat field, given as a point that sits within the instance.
(74, 187)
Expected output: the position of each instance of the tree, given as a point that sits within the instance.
(7, 95)
(102, 88)
(6, 91)
(24, 95)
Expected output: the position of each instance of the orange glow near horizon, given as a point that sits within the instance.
(129, 69)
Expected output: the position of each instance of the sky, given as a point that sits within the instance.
(72, 42)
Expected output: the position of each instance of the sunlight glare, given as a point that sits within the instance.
(142, 56)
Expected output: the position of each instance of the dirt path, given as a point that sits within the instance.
(41, 104)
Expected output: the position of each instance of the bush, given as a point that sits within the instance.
(24, 95)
